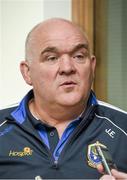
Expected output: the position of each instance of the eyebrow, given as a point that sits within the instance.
(80, 46)
(77, 47)
(49, 49)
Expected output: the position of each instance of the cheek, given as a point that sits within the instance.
(87, 76)
(43, 78)
(85, 73)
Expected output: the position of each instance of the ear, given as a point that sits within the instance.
(25, 71)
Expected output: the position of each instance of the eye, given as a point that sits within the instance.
(52, 58)
(80, 56)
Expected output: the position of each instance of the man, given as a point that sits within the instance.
(54, 130)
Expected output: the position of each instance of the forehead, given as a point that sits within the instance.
(64, 36)
(59, 32)
(62, 44)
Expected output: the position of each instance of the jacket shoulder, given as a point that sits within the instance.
(113, 114)
(111, 107)
(5, 112)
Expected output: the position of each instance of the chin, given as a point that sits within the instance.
(70, 101)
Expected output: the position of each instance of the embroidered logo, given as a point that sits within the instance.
(25, 152)
(94, 159)
(110, 132)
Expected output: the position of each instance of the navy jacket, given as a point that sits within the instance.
(23, 155)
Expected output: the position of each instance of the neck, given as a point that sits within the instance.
(59, 117)
(54, 114)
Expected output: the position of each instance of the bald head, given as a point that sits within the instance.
(54, 26)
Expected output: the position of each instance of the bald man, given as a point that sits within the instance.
(53, 132)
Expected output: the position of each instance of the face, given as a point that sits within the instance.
(62, 70)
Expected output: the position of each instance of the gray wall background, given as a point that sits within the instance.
(117, 53)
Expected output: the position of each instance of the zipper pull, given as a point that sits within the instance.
(55, 165)
(38, 178)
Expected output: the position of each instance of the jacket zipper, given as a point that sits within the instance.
(85, 121)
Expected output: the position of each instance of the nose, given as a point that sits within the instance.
(66, 65)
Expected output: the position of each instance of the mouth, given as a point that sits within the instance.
(68, 83)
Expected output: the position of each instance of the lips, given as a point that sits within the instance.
(67, 83)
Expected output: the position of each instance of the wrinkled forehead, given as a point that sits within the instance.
(56, 33)
(57, 30)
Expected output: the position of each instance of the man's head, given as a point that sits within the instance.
(58, 63)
